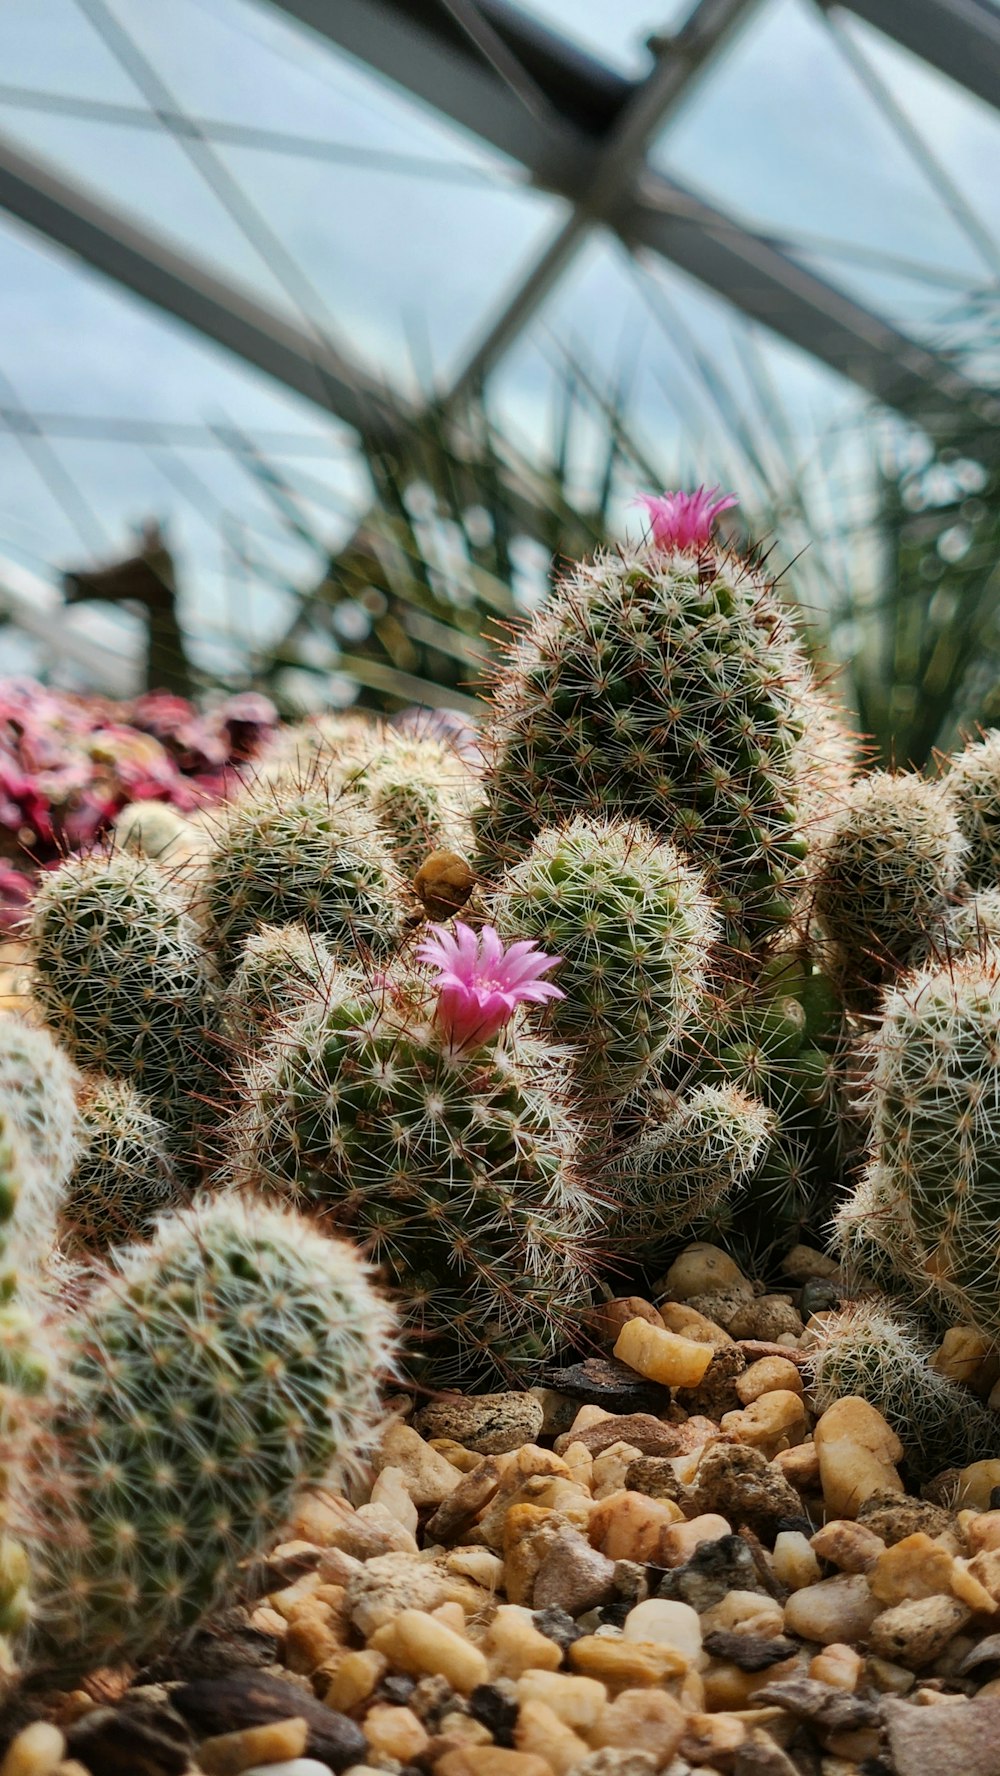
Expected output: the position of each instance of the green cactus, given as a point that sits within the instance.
(634, 927)
(124, 1176)
(38, 1093)
(456, 1171)
(306, 854)
(283, 969)
(121, 979)
(970, 927)
(224, 1365)
(884, 876)
(684, 1166)
(156, 830)
(667, 688)
(419, 790)
(972, 787)
(869, 1348)
(930, 1200)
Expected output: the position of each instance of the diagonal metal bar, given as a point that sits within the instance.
(187, 289)
(961, 38)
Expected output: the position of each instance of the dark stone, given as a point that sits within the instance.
(819, 1295)
(228, 1643)
(603, 1381)
(656, 1476)
(714, 1569)
(397, 1690)
(751, 1652)
(985, 1652)
(139, 1738)
(820, 1704)
(557, 1625)
(740, 1483)
(716, 1393)
(760, 1756)
(432, 1698)
(489, 1705)
(226, 1704)
(896, 1515)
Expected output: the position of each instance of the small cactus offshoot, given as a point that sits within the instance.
(124, 1176)
(972, 787)
(283, 969)
(38, 1093)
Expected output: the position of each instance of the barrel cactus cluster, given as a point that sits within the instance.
(418, 1056)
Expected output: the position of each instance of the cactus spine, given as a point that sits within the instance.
(633, 926)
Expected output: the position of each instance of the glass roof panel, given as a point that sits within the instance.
(614, 34)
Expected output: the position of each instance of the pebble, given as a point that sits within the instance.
(766, 1376)
(579, 1702)
(35, 1751)
(424, 1645)
(490, 1760)
(488, 1424)
(768, 1317)
(840, 1609)
(228, 1754)
(913, 1568)
(914, 1633)
(701, 1269)
(298, 1767)
(666, 1622)
(607, 1320)
(793, 1561)
(573, 1575)
(427, 1476)
(626, 1664)
(662, 1356)
(739, 1483)
(643, 1720)
(803, 1262)
(857, 1455)
(632, 1526)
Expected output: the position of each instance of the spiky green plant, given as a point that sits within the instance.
(121, 978)
(222, 1366)
(306, 854)
(871, 1350)
(283, 969)
(124, 1176)
(664, 686)
(154, 829)
(884, 876)
(934, 1167)
(633, 926)
(971, 785)
(685, 1166)
(455, 1170)
(38, 1093)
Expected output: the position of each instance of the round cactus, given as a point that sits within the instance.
(124, 1176)
(222, 1366)
(885, 875)
(972, 788)
(685, 1166)
(120, 977)
(283, 969)
(38, 1093)
(420, 791)
(661, 685)
(154, 829)
(868, 1349)
(453, 1167)
(633, 927)
(308, 855)
(934, 1172)
(969, 928)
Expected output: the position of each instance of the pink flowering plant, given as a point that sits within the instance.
(685, 520)
(481, 984)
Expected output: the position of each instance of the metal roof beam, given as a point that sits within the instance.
(961, 38)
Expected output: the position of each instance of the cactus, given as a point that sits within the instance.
(662, 685)
(120, 977)
(684, 1166)
(156, 830)
(452, 1163)
(870, 1349)
(972, 788)
(930, 1199)
(124, 1176)
(884, 876)
(969, 928)
(221, 1367)
(306, 854)
(633, 927)
(419, 790)
(38, 1093)
(283, 969)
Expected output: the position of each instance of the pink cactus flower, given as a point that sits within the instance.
(684, 520)
(481, 983)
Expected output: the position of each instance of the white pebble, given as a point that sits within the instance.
(666, 1622)
(293, 1767)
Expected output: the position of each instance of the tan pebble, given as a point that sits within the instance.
(914, 1567)
(451, 1614)
(793, 1562)
(665, 1622)
(317, 1515)
(577, 1701)
(427, 1476)
(490, 1424)
(712, 1739)
(395, 1733)
(456, 1453)
(355, 1678)
(587, 1416)
(287, 1601)
(490, 1760)
(859, 1744)
(701, 1269)
(631, 1526)
(767, 1376)
(917, 1632)
(848, 1545)
(277, 1742)
(607, 1320)
(642, 1720)
(558, 1410)
(981, 1530)
(678, 1543)
(625, 1664)
(728, 1688)
(776, 1420)
(967, 1586)
(267, 1621)
(514, 1645)
(840, 1609)
(858, 1452)
(35, 1751)
(379, 1531)
(460, 1509)
(540, 1731)
(430, 1647)
(580, 1463)
(338, 1568)
(804, 1262)
(799, 1465)
(662, 1356)
(477, 1564)
(744, 1612)
(310, 1642)
(390, 1492)
(985, 1568)
(838, 1665)
(528, 1534)
(680, 1316)
(961, 1353)
(610, 1467)
(886, 1677)
(458, 1729)
(974, 1484)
